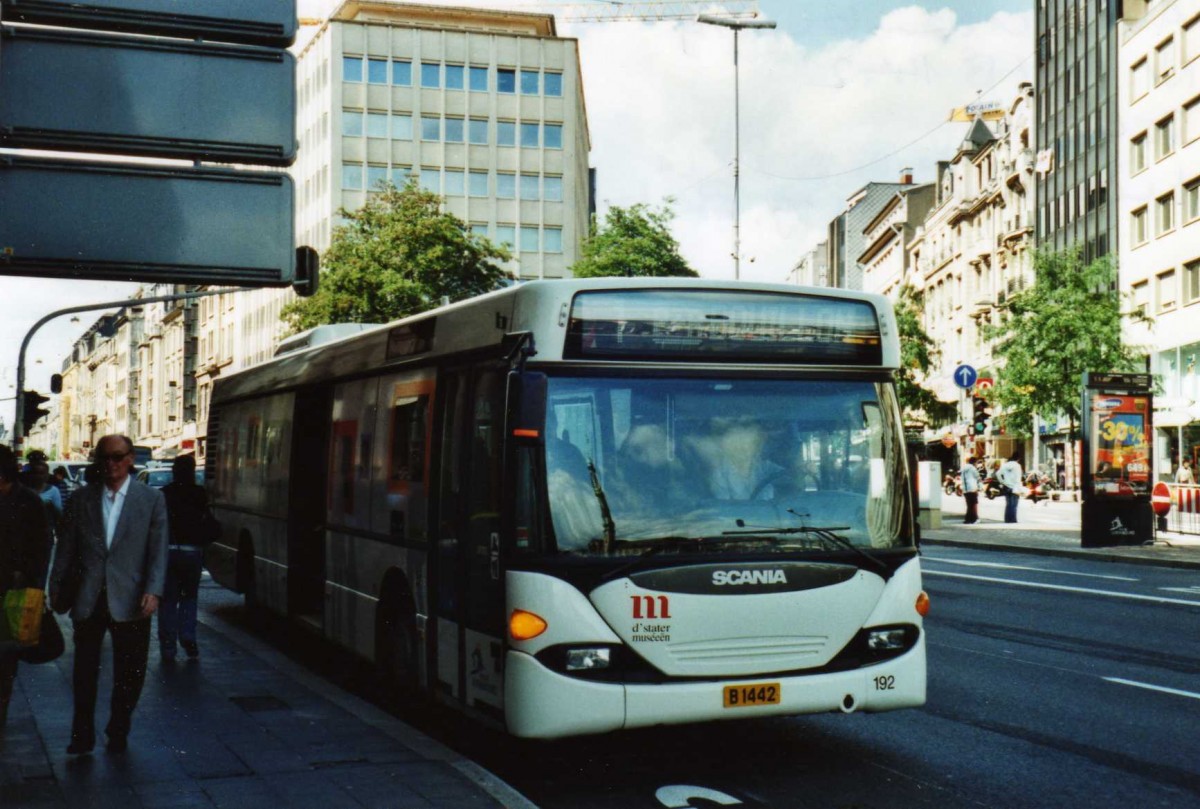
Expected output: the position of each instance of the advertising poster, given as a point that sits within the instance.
(1120, 462)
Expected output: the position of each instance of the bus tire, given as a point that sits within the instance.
(396, 647)
(247, 585)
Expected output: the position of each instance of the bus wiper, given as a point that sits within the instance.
(828, 535)
(610, 527)
(661, 544)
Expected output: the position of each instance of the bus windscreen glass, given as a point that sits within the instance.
(722, 326)
(739, 465)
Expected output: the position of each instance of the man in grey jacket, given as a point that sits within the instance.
(117, 536)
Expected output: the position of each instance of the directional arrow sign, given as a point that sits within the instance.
(965, 376)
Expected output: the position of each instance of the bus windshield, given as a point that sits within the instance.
(643, 464)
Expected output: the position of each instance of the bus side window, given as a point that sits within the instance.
(527, 509)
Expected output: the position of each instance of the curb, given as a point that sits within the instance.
(1095, 556)
(403, 733)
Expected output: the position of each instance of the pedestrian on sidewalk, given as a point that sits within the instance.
(24, 555)
(188, 518)
(1185, 474)
(1010, 477)
(970, 488)
(117, 539)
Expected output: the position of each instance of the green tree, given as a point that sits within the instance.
(1068, 322)
(634, 241)
(917, 355)
(398, 255)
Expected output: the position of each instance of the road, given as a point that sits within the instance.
(1053, 682)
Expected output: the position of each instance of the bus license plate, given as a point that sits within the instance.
(751, 694)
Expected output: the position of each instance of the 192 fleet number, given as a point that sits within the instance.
(885, 683)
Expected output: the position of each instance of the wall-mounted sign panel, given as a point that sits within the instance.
(256, 22)
(111, 221)
(84, 92)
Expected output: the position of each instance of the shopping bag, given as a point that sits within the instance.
(23, 608)
(50, 645)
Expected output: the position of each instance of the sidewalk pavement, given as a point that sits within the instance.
(243, 726)
(1055, 535)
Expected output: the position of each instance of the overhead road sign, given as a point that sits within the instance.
(253, 22)
(145, 223)
(86, 92)
(965, 376)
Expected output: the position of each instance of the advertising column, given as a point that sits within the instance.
(1117, 448)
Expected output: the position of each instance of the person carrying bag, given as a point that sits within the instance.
(24, 556)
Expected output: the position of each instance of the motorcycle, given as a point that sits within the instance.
(1037, 487)
(991, 487)
(952, 483)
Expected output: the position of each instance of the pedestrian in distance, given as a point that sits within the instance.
(190, 524)
(970, 488)
(24, 555)
(1010, 476)
(116, 541)
(1185, 474)
(38, 479)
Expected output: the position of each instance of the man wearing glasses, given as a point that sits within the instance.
(117, 541)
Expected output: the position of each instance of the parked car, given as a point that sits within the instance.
(156, 477)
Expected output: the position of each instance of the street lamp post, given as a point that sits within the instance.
(736, 26)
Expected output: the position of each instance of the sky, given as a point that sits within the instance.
(837, 95)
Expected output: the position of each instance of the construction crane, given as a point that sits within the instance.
(646, 10)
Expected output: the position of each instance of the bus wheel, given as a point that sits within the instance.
(396, 649)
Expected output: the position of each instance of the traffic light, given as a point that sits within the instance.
(32, 409)
(981, 412)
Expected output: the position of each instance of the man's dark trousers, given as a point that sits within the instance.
(131, 646)
(972, 499)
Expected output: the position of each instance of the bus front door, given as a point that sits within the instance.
(307, 501)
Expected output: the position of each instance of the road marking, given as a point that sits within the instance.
(1064, 588)
(1193, 591)
(1161, 688)
(1038, 569)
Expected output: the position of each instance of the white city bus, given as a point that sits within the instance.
(573, 507)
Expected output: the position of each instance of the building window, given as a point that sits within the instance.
(529, 239)
(552, 84)
(402, 127)
(479, 79)
(1191, 119)
(1137, 226)
(552, 136)
(1167, 294)
(1164, 60)
(477, 131)
(1137, 154)
(455, 75)
(478, 183)
(1139, 75)
(1165, 208)
(552, 240)
(1191, 39)
(352, 68)
(506, 80)
(506, 235)
(431, 74)
(402, 73)
(375, 176)
(479, 229)
(454, 130)
(377, 70)
(1164, 137)
(529, 136)
(1191, 200)
(431, 180)
(455, 182)
(506, 133)
(377, 124)
(506, 185)
(1141, 297)
(552, 189)
(1191, 281)
(530, 186)
(530, 79)
(352, 176)
(401, 175)
(431, 127)
(352, 123)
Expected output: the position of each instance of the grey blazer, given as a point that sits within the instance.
(135, 565)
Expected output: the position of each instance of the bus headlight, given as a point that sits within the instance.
(588, 659)
(883, 640)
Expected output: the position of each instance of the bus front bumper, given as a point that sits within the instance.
(543, 704)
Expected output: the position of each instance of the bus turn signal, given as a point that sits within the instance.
(923, 604)
(524, 625)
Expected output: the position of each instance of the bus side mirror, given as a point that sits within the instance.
(526, 404)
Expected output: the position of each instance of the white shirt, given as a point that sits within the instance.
(1010, 475)
(112, 503)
